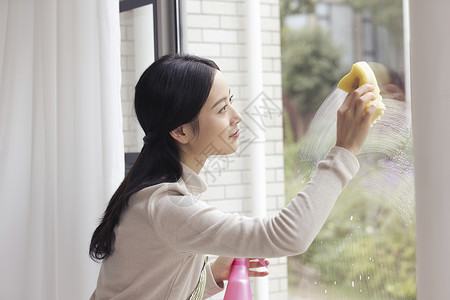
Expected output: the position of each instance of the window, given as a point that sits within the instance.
(149, 29)
(139, 48)
(366, 249)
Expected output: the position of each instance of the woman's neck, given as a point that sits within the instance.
(195, 162)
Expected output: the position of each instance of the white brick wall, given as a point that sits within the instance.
(216, 30)
(131, 128)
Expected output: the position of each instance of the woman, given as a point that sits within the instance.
(155, 232)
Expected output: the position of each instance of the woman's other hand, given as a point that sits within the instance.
(353, 123)
(221, 268)
(253, 263)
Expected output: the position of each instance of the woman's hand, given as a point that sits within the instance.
(221, 268)
(353, 123)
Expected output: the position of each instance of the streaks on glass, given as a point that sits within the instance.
(367, 244)
(386, 162)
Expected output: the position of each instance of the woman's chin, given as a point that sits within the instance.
(232, 147)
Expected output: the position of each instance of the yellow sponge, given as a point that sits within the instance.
(364, 72)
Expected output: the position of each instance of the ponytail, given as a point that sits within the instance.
(151, 167)
(170, 93)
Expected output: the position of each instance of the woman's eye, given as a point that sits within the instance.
(230, 102)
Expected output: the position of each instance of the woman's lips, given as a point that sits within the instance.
(236, 134)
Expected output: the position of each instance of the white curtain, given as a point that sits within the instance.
(61, 142)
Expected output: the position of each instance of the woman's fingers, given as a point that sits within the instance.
(361, 102)
(368, 115)
(356, 100)
(252, 273)
(352, 123)
(361, 95)
(255, 263)
(347, 101)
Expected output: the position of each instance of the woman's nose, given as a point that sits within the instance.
(237, 116)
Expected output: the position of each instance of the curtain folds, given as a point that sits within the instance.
(61, 141)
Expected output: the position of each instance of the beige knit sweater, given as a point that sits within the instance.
(163, 237)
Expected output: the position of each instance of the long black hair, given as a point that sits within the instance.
(170, 93)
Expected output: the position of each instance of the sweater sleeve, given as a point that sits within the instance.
(192, 226)
(211, 287)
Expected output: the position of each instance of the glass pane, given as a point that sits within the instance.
(137, 53)
(366, 249)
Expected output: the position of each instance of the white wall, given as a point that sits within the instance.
(131, 130)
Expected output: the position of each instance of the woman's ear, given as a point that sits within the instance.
(181, 134)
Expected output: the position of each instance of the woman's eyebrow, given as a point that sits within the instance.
(221, 99)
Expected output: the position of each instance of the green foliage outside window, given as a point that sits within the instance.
(310, 63)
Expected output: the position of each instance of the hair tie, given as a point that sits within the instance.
(151, 138)
(146, 140)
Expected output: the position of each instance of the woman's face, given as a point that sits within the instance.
(218, 122)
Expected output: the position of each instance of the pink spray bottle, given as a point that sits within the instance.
(238, 287)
